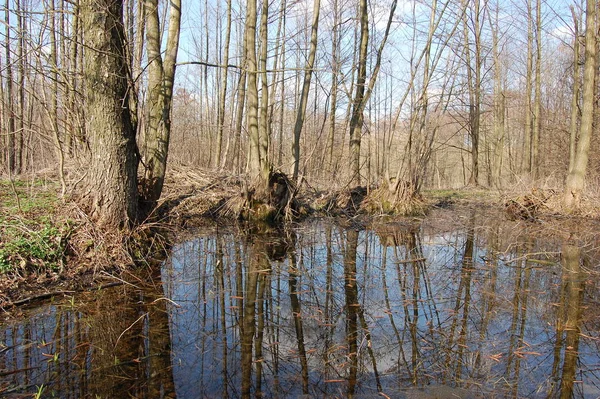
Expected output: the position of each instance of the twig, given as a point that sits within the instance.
(38, 297)
(130, 327)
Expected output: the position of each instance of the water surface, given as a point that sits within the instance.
(459, 305)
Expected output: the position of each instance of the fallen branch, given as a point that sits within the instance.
(52, 294)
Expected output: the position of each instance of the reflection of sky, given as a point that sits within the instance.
(196, 332)
(437, 281)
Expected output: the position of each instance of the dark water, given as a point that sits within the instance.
(457, 306)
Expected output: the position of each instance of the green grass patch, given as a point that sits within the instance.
(32, 249)
(34, 197)
(31, 240)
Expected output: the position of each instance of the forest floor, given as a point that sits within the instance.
(48, 247)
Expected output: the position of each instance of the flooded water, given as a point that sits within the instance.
(456, 306)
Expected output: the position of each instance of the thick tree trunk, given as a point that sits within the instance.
(576, 178)
(264, 125)
(254, 166)
(111, 181)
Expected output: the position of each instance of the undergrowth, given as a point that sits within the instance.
(31, 240)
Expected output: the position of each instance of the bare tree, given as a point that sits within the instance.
(363, 93)
(575, 110)
(537, 121)
(576, 178)
(310, 62)
(10, 109)
(499, 103)
(223, 93)
(161, 75)
(474, 82)
(258, 168)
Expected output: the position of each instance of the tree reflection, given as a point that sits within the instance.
(294, 273)
(568, 326)
(327, 312)
(352, 306)
(106, 346)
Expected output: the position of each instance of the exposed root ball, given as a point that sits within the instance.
(526, 207)
(347, 202)
(258, 203)
(402, 200)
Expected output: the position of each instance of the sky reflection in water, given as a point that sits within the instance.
(476, 310)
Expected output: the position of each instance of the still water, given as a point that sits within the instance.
(458, 305)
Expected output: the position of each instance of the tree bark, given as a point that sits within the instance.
(161, 75)
(474, 83)
(264, 125)
(259, 170)
(537, 121)
(223, 93)
(575, 114)
(20, 126)
(10, 110)
(528, 131)
(357, 116)
(53, 112)
(301, 112)
(111, 181)
(361, 97)
(499, 106)
(335, 70)
(576, 178)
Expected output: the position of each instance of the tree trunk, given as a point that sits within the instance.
(361, 97)
(537, 121)
(223, 93)
(575, 114)
(20, 127)
(53, 113)
(75, 128)
(528, 131)
(264, 126)
(357, 116)
(335, 70)
(161, 76)
(301, 112)
(499, 107)
(474, 82)
(259, 171)
(10, 110)
(576, 178)
(111, 181)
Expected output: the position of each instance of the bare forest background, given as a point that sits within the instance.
(434, 93)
